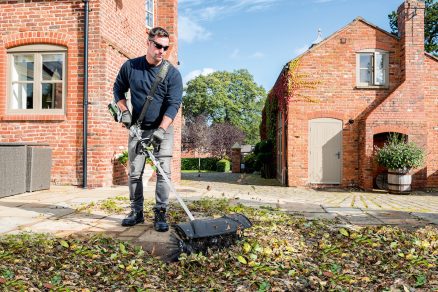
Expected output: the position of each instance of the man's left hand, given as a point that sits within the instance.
(158, 135)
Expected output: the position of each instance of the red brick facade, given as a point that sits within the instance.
(408, 105)
(117, 31)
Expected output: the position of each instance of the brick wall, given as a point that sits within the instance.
(403, 107)
(431, 106)
(117, 32)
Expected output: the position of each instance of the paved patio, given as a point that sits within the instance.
(55, 211)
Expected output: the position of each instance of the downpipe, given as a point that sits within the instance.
(85, 102)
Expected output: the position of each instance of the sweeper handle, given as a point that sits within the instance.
(158, 166)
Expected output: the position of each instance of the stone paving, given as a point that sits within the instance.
(55, 211)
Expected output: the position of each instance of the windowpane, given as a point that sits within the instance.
(149, 19)
(380, 69)
(149, 5)
(51, 95)
(365, 76)
(365, 61)
(23, 68)
(52, 66)
(22, 96)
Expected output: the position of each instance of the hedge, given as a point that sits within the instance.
(223, 165)
(192, 163)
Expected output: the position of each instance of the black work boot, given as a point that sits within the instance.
(133, 218)
(160, 223)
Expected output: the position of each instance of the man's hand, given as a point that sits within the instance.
(158, 135)
(126, 119)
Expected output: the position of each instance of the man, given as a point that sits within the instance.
(138, 75)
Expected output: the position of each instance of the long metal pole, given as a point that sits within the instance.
(85, 118)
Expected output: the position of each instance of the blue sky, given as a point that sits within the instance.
(262, 35)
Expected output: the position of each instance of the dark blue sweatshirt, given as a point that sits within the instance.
(138, 76)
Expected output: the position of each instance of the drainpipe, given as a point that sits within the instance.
(85, 117)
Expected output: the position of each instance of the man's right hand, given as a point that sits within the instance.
(126, 119)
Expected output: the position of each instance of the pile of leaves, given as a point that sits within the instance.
(280, 252)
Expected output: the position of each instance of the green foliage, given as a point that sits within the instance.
(224, 96)
(430, 26)
(399, 154)
(251, 162)
(223, 165)
(264, 151)
(122, 158)
(271, 110)
(193, 163)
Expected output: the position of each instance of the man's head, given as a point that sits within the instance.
(158, 43)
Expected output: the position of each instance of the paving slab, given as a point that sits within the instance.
(403, 221)
(430, 217)
(344, 210)
(54, 226)
(301, 207)
(315, 216)
(360, 219)
(10, 223)
(156, 243)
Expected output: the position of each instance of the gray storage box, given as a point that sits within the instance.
(39, 165)
(12, 169)
(24, 167)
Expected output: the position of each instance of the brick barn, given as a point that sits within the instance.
(338, 100)
(42, 78)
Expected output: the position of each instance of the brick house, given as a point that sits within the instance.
(42, 78)
(331, 105)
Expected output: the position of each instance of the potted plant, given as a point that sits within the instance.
(399, 157)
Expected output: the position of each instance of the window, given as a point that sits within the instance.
(372, 68)
(149, 13)
(36, 79)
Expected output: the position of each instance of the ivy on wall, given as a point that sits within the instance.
(286, 90)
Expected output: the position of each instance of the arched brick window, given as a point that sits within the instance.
(36, 80)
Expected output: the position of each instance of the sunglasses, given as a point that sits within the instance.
(159, 46)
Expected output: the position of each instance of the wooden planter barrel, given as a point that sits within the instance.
(399, 181)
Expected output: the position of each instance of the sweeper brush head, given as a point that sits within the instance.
(201, 235)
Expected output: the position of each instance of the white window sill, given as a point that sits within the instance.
(372, 87)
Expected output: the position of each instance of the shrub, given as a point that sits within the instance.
(264, 151)
(399, 154)
(192, 163)
(251, 163)
(223, 165)
(122, 158)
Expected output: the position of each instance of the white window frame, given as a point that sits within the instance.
(149, 12)
(37, 51)
(375, 83)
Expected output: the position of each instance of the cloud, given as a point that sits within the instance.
(299, 51)
(322, 1)
(235, 54)
(190, 31)
(257, 55)
(196, 73)
(198, 9)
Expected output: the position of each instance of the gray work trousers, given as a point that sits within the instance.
(136, 168)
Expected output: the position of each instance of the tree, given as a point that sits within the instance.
(430, 26)
(223, 96)
(222, 138)
(195, 135)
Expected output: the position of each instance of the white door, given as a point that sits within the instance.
(325, 151)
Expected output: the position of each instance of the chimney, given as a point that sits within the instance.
(411, 33)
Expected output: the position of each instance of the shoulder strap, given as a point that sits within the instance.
(160, 77)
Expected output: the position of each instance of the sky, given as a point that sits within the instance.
(262, 35)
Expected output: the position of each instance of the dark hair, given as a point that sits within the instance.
(158, 31)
